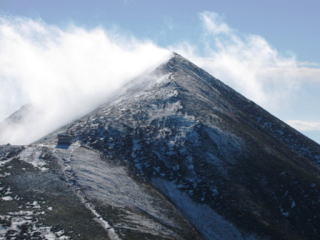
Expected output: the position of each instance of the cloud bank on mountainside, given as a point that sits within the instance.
(63, 73)
(66, 72)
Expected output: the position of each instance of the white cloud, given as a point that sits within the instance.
(305, 126)
(249, 64)
(214, 23)
(63, 73)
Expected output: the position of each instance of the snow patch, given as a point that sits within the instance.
(32, 155)
(212, 225)
(7, 198)
(26, 221)
(3, 163)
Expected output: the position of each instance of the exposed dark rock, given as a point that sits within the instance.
(185, 157)
(64, 140)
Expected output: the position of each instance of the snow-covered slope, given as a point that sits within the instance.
(178, 155)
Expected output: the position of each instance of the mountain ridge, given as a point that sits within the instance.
(229, 168)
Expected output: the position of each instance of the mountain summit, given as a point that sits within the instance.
(177, 155)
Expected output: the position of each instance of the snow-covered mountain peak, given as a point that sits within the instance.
(176, 155)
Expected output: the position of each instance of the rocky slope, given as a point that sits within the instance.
(178, 155)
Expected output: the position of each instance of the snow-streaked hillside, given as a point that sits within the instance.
(177, 155)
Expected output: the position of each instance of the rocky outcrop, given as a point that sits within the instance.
(178, 155)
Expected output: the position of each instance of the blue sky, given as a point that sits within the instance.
(277, 39)
(289, 25)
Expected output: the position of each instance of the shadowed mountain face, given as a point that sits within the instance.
(178, 155)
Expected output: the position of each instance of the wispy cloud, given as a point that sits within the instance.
(67, 72)
(63, 73)
(305, 126)
(214, 23)
(249, 63)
